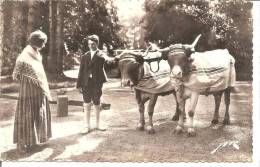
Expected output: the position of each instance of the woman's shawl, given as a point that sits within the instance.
(29, 68)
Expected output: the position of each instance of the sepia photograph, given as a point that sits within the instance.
(162, 81)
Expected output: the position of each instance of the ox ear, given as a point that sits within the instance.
(189, 51)
(165, 56)
(139, 59)
(190, 60)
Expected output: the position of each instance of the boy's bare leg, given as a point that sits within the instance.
(87, 108)
(97, 110)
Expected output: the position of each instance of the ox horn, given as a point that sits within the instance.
(146, 51)
(195, 41)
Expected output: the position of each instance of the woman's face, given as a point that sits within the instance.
(43, 45)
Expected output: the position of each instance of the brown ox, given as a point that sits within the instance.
(131, 67)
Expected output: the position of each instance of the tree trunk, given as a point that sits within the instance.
(20, 25)
(7, 37)
(1, 35)
(60, 37)
(31, 18)
(14, 36)
(52, 56)
(55, 57)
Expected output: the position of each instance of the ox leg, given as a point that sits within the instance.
(176, 115)
(193, 103)
(180, 127)
(227, 102)
(141, 123)
(151, 105)
(217, 98)
(140, 101)
(177, 110)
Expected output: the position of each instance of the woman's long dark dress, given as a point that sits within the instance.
(32, 123)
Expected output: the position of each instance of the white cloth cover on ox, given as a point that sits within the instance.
(156, 82)
(212, 71)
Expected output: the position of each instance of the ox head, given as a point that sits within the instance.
(130, 68)
(179, 59)
(180, 62)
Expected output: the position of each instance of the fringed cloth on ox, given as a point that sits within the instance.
(32, 123)
(211, 71)
(158, 83)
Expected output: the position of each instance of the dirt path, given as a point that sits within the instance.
(123, 143)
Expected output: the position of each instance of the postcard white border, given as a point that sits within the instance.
(256, 122)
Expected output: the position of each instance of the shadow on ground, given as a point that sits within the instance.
(123, 143)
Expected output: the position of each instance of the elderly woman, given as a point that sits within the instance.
(32, 123)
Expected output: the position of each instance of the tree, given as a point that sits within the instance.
(82, 18)
(1, 35)
(14, 33)
(52, 60)
(223, 24)
(31, 14)
(60, 36)
(20, 18)
(69, 21)
(56, 22)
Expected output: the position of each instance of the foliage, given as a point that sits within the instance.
(16, 29)
(83, 18)
(223, 24)
(10, 40)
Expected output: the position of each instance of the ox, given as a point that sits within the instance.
(132, 68)
(190, 81)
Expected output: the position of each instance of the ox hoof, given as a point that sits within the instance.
(214, 121)
(178, 130)
(226, 122)
(140, 127)
(191, 132)
(150, 130)
(175, 118)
